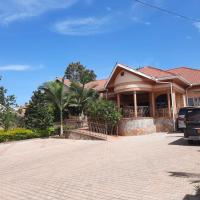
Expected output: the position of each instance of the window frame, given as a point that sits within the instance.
(193, 101)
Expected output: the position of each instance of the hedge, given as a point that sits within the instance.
(21, 134)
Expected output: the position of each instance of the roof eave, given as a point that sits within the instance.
(195, 84)
(174, 77)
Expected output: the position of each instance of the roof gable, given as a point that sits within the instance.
(125, 76)
(120, 67)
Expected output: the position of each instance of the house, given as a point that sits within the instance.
(155, 88)
(149, 98)
(21, 110)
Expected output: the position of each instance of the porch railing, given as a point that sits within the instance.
(144, 111)
(162, 112)
(103, 128)
(129, 111)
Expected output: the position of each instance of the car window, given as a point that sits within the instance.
(193, 115)
(182, 111)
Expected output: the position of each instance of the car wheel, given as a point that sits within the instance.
(190, 142)
(182, 130)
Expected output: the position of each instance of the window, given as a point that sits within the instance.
(194, 101)
(190, 102)
(122, 73)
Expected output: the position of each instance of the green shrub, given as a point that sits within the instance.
(103, 111)
(51, 130)
(21, 134)
(43, 133)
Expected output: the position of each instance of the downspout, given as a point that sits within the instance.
(171, 91)
(186, 92)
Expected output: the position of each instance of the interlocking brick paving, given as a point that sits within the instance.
(150, 167)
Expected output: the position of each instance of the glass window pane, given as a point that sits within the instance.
(190, 102)
(196, 101)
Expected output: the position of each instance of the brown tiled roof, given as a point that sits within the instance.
(155, 72)
(98, 85)
(66, 81)
(191, 75)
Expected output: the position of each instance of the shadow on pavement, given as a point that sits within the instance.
(191, 197)
(184, 142)
(180, 141)
(184, 175)
(196, 176)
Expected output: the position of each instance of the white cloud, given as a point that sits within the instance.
(89, 2)
(197, 25)
(15, 68)
(12, 10)
(141, 21)
(83, 26)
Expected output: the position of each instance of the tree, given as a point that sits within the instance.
(7, 118)
(82, 97)
(57, 95)
(3, 91)
(7, 113)
(76, 72)
(39, 113)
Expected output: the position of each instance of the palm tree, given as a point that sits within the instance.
(57, 94)
(82, 96)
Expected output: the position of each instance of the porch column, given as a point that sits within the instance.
(174, 109)
(118, 100)
(152, 104)
(169, 104)
(184, 100)
(135, 103)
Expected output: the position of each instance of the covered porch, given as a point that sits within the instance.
(147, 104)
(146, 112)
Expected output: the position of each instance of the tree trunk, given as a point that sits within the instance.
(61, 123)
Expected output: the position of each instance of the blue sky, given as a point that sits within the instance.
(38, 38)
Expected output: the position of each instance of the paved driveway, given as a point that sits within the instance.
(152, 167)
